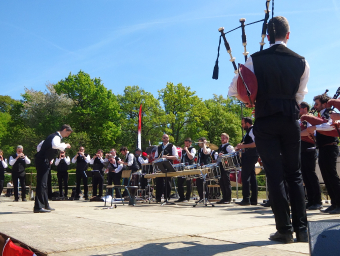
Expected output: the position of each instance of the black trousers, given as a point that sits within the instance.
(22, 177)
(63, 180)
(278, 144)
(308, 161)
(81, 174)
(180, 183)
(199, 186)
(249, 182)
(225, 185)
(327, 163)
(160, 189)
(97, 181)
(41, 194)
(2, 180)
(115, 179)
(49, 185)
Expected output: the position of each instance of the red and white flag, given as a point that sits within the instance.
(139, 132)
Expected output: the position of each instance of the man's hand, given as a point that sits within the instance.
(239, 146)
(68, 145)
(311, 129)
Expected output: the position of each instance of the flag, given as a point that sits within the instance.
(139, 131)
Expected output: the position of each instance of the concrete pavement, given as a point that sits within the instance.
(88, 228)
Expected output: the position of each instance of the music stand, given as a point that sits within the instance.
(165, 167)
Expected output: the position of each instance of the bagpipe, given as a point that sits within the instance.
(246, 83)
(315, 120)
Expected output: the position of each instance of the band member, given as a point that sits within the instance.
(142, 158)
(167, 151)
(328, 153)
(130, 163)
(225, 186)
(114, 171)
(46, 153)
(82, 160)
(62, 163)
(19, 162)
(308, 163)
(3, 166)
(282, 77)
(203, 158)
(188, 156)
(113, 153)
(98, 174)
(249, 159)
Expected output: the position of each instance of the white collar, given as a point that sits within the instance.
(279, 42)
(60, 135)
(322, 111)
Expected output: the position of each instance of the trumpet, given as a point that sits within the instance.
(208, 144)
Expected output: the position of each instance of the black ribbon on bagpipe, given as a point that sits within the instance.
(264, 28)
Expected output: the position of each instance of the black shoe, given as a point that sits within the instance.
(284, 238)
(24, 200)
(49, 208)
(76, 198)
(330, 208)
(243, 203)
(42, 210)
(85, 198)
(16, 200)
(223, 202)
(335, 211)
(253, 203)
(302, 236)
(267, 204)
(315, 207)
(179, 200)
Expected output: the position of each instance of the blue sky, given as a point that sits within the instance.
(150, 43)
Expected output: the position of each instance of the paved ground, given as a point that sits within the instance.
(87, 228)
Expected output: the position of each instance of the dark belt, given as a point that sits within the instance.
(329, 144)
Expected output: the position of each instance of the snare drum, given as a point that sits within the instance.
(231, 161)
(214, 171)
(136, 178)
(178, 167)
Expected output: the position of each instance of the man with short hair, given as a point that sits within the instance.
(62, 163)
(282, 77)
(249, 159)
(188, 155)
(82, 160)
(203, 158)
(308, 163)
(328, 154)
(114, 172)
(98, 174)
(166, 151)
(47, 150)
(225, 186)
(19, 162)
(130, 163)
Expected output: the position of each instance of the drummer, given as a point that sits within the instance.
(225, 186)
(166, 151)
(142, 158)
(249, 159)
(188, 156)
(204, 158)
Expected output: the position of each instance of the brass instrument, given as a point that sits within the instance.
(208, 144)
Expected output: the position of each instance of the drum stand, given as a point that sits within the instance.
(149, 197)
(205, 201)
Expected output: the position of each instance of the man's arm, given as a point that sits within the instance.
(303, 90)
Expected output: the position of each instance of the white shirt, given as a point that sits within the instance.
(142, 160)
(230, 149)
(86, 158)
(192, 153)
(67, 161)
(129, 158)
(4, 163)
(251, 134)
(325, 126)
(174, 150)
(119, 167)
(56, 143)
(13, 160)
(302, 91)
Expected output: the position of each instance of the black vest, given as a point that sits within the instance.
(98, 165)
(223, 150)
(81, 163)
(46, 151)
(139, 164)
(321, 139)
(247, 140)
(62, 166)
(203, 159)
(134, 166)
(167, 150)
(19, 166)
(2, 170)
(185, 158)
(278, 71)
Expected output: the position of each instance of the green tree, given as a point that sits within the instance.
(95, 109)
(186, 111)
(154, 119)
